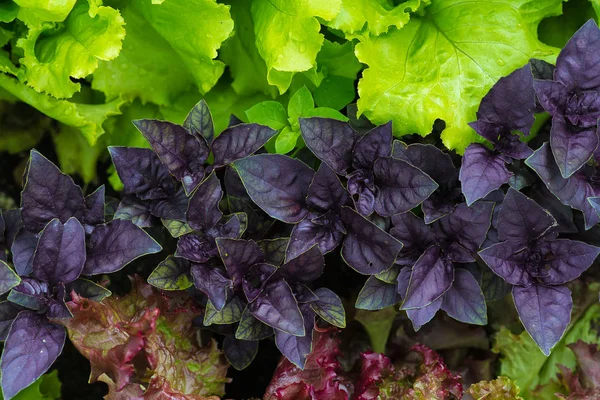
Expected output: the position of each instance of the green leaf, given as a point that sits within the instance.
(378, 325)
(269, 113)
(441, 64)
(286, 140)
(56, 53)
(176, 228)
(8, 278)
(232, 312)
(363, 17)
(326, 113)
(498, 389)
(335, 92)
(329, 308)
(300, 103)
(337, 59)
(170, 274)
(75, 155)
(556, 31)
(8, 11)
(287, 35)
(252, 329)
(169, 47)
(22, 126)
(35, 12)
(89, 290)
(47, 387)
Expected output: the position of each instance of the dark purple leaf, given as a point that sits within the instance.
(22, 249)
(199, 122)
(401, 186)
(213, 282)
(361, 185)
(551, 95)
(466, 226)
(545, 312)
(296, 348)
(113, 245)
(48, 194)
(438, 205)
(274, 250)
(522, 219)
(578, 64)
(238, 256)
(572, 192)
(376, 295)
(366, 248)
(306, 234)
(134, 210)
(326, 191)
(305, 267)
(31, 347)
(196, 247)
(402, 281)
(508, 262)
(8, 278)
(277, 307)
(493, 287)
(13, 223)
(173, 208)
(277, 184)
(56, 306)
(372, 145)
(8, 312)
(240, 141)
(231, 226)
(481, 172)
(30, 293)
(88, 289)
(415, 236)
(141, 172)
(330, 140)
(429, 159)
(421, 316)
(250, 328)
(255, 279)
(464, 301)
(303, 294)
(329, 307)
(562, 213)
(60, 252)
(564, 260)
(94, 209)
(571, 147)
(180, 151)
(541, 69)
(431, 277)
(203, 210)
(239, 353)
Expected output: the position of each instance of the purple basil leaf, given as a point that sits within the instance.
(551, 95)
(213, 282)
(30, 293)
(522, 219)
(277, 184)
(376, 295)
(306, 234)
(571, 147)
(326, 191)
(366, 248)
(464, 301)
(199, 122)
(233, 184)
(274, 250)
(57, 307)
(173, 208)
(305, 267)
(329, 307)
(142, 172)
(48, 194)
(240, 141)
(562, 213)
(180, 151)
(421, 316)
(431, 277)
(250, 328)
(401, 186)
(255, 279)
(8, 312)
(361, 184)
(8, 278)
(60, 252)
(436, 206)
(196, 247)
(296, 348)
(372, 145)
(238, 256)
(22, 249)
(231, 226)
(203, 210)
(415, 236)
(330, 140)
(402, 281)
(493, 287)
(508, 262)
(545, 312)
(510, 102)
(303, 294)
(481, 172)
(94, 209)
(466, 226)
(564, 259)
(277, 307)
(595, 203)
(13, 223)
(88, 289)
(541, 69)
(230, 314)
(239, 353)
(31, 347)
(134, 210)
(578, 65)
(572, 192)
(113, 245)
(429, 159)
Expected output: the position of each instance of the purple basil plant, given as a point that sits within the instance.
(530, 257)
(61, 237)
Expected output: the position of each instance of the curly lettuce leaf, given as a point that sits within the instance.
(497, 389)
(34, 12)
(441, 64)
(170, 47)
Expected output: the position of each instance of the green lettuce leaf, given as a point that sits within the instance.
(556, 31)
(441, 64)
(170, 47)
(22, 126)
(35, 12)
